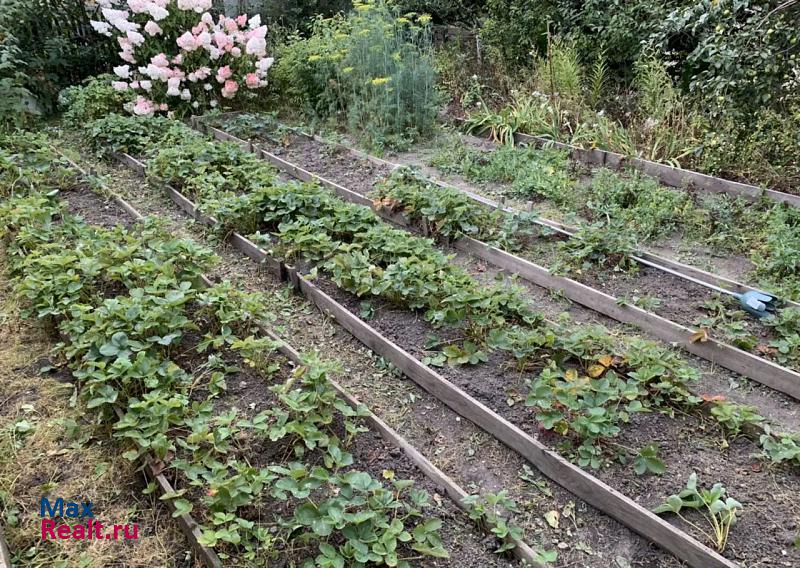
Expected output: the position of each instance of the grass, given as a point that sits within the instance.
(50, 446)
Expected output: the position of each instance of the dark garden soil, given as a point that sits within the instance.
(694, 445)
(95, 209)
(687, 443)
(679, 247)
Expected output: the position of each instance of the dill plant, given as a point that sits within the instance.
(372, 71)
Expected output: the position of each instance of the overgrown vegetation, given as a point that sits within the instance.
(710, 86)
(44, 48)
(631, 208)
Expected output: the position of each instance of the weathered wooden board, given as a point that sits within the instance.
(666, 174)
(569, 476)
(5, 552)
(445, 483)
(746, 364)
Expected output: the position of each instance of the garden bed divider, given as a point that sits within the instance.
(5, 552)
(575, 480)
(187, 524)
(664, 173)
(521, 549)
(674, 267)
(732, 358)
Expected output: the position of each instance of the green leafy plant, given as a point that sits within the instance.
(604, 246)
(647, 461)
(489, 510)
(372, 68)
(719, 510)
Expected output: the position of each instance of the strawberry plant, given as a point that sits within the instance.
(437, 210)
(129, 312)
(600, 245)
(490, 510)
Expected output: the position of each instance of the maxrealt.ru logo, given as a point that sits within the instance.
(68, 510)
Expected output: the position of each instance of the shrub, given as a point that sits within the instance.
(736, 53)
(176, 59)
(94, 99)
(53, 47)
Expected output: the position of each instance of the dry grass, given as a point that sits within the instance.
(50, 445)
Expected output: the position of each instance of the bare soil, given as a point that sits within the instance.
(692, 456)
(247, 392)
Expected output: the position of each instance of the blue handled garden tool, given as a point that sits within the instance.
(754, 302)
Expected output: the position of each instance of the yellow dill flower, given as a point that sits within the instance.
(424, 19)
(313, 58)
(347, 70)
(378, 81)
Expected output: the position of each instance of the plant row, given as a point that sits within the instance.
(639, 209)
(583, 384)
(139, 332)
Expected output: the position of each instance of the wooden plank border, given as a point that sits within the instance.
(5, 552)
(595, 492)
(612, 160)
(248, 248)
(746, 364)
(727, 356)
(187, 523)
(667, 175)
(552, 465)
(522, 550)
(684, 271)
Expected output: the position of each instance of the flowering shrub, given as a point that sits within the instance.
(177, 56)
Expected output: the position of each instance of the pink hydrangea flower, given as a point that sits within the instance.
(153, 28)
(138, 6)
(256, 46)
(143, 107)
(160, 60)
(187, 41)
(252, 81)
(173, 87)
(230, 88)
(202, 73)
(123, 71)
(222, 39)
(119, 85)
(224, 73)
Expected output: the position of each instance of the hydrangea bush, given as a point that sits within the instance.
(178, 57)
